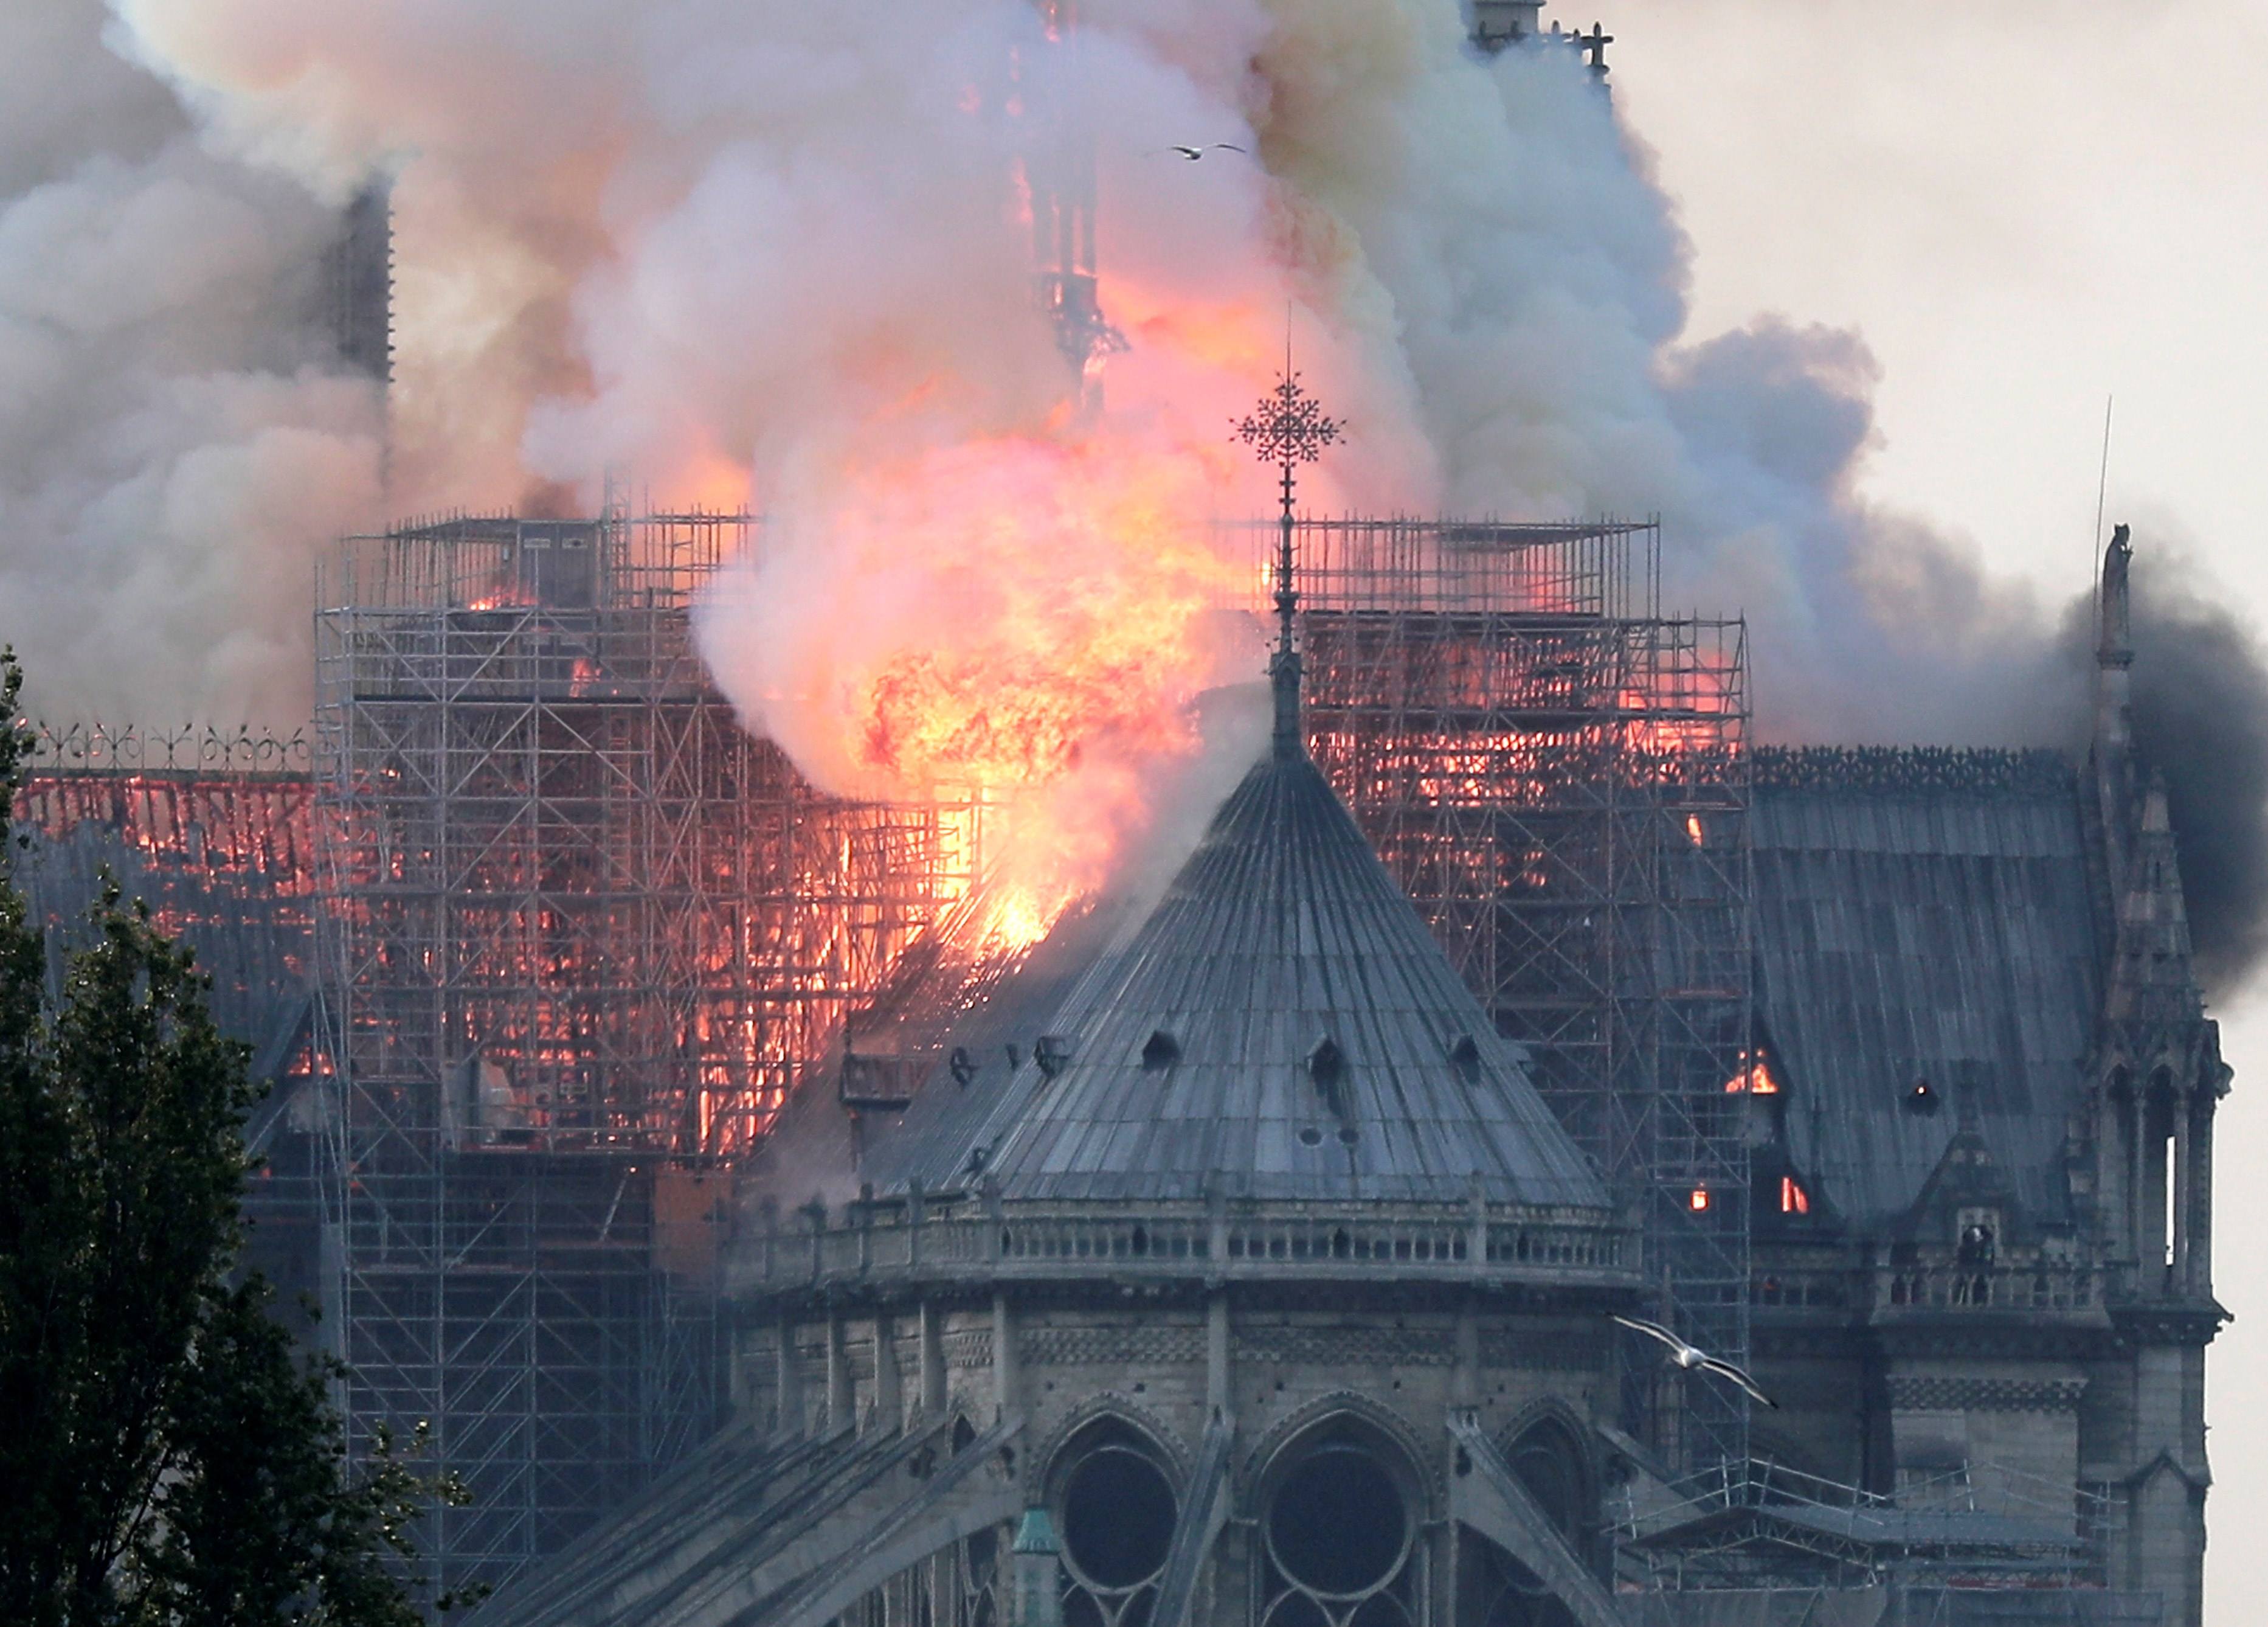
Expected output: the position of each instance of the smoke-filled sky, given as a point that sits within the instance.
(770, 250)
(1843, 308)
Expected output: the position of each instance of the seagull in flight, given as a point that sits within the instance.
(1692, 1357)
(1194, 154)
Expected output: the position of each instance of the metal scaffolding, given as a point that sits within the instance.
(581, 937)
(1558, 775)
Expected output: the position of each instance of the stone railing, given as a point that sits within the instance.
(867, 1241)
(1887, 1289)
(2050, 1287)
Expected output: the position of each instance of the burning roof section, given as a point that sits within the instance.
(1925, 919)
(1281, 1025)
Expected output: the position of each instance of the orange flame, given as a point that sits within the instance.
(1755, 1077)
(1019, 620)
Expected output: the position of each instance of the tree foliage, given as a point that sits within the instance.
(167, 1458)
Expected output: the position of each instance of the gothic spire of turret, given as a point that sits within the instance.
(1288, 428)
(2111, 757)
(2115, 639)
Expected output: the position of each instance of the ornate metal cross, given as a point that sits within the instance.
(1287, 429)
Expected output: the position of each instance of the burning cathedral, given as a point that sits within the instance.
(1542, 1158)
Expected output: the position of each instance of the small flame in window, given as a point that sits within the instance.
(1794, 1200)
(1756, 1077)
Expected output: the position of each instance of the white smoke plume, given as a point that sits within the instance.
(763, 251)
(174, 431)
(772, 250)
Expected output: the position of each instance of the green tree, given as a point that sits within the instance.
(166, 1458)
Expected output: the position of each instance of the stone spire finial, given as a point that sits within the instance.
(1288, 428)
(2114, 639)
(2113, 724)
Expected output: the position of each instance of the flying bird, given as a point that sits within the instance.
(1693, 1358)
(1194, 154)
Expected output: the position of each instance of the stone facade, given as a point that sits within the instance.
(1218, 1392)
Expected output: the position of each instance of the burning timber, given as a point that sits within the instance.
(1889, 1065)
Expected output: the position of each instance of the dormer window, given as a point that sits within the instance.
(1327, 1068)
(1465, 1057)
(1052, 1053)
(962, 1065)
(1921, 1100)
(1162, 1053)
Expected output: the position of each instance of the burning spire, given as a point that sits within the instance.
(1060, 179)
(1288, 428)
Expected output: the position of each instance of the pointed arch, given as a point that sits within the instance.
(1546, 1446)
(1113, 1404)
(1351, 1410)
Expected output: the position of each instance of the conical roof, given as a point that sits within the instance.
(1281, 1024)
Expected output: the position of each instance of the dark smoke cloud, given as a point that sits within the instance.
(2200, 688)
(2201, 718)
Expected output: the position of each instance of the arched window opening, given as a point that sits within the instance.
(2160, 1216)
(972, 1590)
(1339, 1537)
(1115, 1509)
(1549, 1464)
(2170, 1180)
(1493, 1588)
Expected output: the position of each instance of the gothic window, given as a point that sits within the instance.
(974, 1582)
(1115, 1512)
(1550, 1464)
(1497, 1590)
(2158, 1226)
(1339, 1539)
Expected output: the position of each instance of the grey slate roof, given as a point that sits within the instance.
(1944, 934)
(1282, 931)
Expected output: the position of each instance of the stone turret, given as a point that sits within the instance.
(1499, 23)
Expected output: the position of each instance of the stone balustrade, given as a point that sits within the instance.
(874, 1241)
